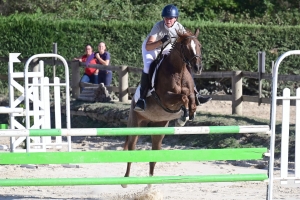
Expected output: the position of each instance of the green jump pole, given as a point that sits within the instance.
(132, 180)
(135, 131)
(3, 126)
(132, 156)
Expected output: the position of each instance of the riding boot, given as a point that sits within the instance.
(203, 99)
(200, 99)
(141, 103)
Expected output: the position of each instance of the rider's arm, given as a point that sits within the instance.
(152, 43)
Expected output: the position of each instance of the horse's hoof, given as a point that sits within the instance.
(124, 185)
(191, 118)
(184, 118)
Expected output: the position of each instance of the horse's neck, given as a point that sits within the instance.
(174, 59)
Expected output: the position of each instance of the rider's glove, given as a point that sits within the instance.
(165, 38)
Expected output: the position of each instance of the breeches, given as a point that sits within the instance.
(149, 56)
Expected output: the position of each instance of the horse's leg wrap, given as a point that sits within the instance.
(141, 103)
(185, 114)
(183, 119)
(191, 118)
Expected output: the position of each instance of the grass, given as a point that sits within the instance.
(224, 140)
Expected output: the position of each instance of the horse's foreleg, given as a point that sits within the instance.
(173, 99)
(192, 106)
(178, 100)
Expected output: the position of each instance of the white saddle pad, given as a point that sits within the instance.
(137, 93)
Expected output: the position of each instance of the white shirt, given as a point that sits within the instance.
(159, 30)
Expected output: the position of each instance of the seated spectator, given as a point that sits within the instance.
(90, 74)
(103, 58)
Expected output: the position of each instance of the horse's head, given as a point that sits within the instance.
(190, 49)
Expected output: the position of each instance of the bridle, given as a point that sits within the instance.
(185, 60)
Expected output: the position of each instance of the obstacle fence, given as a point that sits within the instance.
(35, 95)
(168, 155)
(134, 156)
(285, 131)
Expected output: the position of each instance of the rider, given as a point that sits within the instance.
(161, 33)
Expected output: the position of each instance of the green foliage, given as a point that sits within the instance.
(246, 11)
(226, 46)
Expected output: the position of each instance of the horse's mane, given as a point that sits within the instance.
(182, 35)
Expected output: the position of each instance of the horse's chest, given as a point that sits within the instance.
(177, 79)
(179, 82)
(175, 83)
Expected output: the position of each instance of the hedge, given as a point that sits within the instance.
(226, 46)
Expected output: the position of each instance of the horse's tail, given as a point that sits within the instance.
(126, 143)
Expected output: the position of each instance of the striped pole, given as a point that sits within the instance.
(135, 131)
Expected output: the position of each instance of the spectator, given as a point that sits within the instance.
(103, 58)
(90, 74)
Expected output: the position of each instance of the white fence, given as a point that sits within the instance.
(285, 132)
(36, 97)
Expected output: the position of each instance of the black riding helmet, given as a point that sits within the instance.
(170, 11)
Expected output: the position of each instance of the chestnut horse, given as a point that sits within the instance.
(174, 89)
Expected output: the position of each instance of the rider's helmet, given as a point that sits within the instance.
(170, 11)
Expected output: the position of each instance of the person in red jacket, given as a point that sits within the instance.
(90, 74)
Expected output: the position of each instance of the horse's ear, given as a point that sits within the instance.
(197, 32)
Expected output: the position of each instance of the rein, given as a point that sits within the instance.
(156, 97)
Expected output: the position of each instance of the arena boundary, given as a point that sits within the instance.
(161, 155)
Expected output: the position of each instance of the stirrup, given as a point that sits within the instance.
(140, 105)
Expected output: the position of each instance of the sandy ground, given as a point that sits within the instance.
(207, 191)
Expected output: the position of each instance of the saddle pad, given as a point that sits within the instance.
(137, 93)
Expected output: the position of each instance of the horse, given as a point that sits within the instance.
(174, 92)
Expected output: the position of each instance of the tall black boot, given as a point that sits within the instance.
(201, 99)
(141, 103)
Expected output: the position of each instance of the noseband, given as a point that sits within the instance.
(185, 60)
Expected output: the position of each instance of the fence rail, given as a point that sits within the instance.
(123, 90)
(236, 98)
